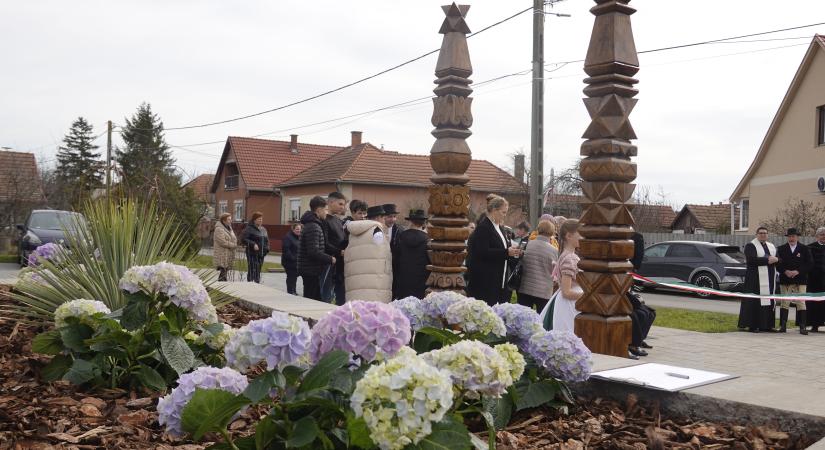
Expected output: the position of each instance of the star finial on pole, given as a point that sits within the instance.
(455, 19)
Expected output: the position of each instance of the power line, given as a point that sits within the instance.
(340, 88)
(715, 41)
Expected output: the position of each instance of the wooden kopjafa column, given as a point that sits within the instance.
(450, 156)
(607, 171)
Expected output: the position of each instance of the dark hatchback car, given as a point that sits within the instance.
(44, 226)
(705, 264)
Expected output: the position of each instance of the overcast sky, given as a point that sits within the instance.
(702, 113)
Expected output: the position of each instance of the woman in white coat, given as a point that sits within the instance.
(368, 262)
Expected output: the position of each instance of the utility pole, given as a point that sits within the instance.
(537, 128)
(108, 158)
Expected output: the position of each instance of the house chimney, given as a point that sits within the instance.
(293, 143)
(356, 138)
(518, 167)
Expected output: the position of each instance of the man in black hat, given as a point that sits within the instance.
(410, 258)
(795, 261)
(390, 219)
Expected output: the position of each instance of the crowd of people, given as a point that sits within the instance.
(792, 268)
(368, 255)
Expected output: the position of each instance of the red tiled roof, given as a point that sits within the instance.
(19, 179)
(201, 185)
(662, 215)
(369, 165)
(264, 163)
(710, 217)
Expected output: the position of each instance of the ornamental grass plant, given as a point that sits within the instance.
(114, 236)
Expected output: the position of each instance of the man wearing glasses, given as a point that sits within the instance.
(757, 314)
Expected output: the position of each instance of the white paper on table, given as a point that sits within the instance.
(655, 376)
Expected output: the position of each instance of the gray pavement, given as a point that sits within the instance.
(783, 371)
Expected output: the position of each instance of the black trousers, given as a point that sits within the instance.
(254, 263)
(530, 301)
(222, 273)
(292, 282)
(312, 287)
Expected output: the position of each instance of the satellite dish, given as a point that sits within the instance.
(820, 183)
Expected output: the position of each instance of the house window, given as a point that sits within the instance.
(223, 206)
(238, 216)
(230, 180)
(744, 210)
(294, 209)
(820, 128)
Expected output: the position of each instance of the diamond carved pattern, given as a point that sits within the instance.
(604, 293)
(611, 117)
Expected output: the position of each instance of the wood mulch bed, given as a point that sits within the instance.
(36, 415)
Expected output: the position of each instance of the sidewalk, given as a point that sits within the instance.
(272, 257)
(782, 371)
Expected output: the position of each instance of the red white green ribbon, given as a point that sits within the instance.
(812, 297)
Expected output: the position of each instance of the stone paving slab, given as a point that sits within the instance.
(781, 371)
(276, 300)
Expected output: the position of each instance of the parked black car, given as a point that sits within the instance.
(44, 226)
(705, 264)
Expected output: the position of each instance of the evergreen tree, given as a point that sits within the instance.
(79, 168)
(148, 172)
(145, 158)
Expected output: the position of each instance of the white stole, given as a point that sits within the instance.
(764, 281)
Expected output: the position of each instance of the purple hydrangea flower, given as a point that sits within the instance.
(280, 340)
(435, 304)
(46, 252)
(414, 310)
(183, 288)
(562, 354)
(521, 322)
(367, 330)
(171, 406)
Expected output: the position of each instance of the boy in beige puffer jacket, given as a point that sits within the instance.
(368, 262)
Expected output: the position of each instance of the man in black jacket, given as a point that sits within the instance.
(336, 240)
(795, 262)
(314, 263)
(289, 257)
(410, 258)
(816, 281)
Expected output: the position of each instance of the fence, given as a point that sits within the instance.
(739, 240)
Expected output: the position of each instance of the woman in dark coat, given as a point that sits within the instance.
(816, 281)
(488, 254)
(256, 240)
(289, 257)
(410, 258)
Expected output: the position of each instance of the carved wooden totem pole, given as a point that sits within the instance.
(606, 172)
(450, 156)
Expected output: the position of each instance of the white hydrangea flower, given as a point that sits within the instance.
(514, 358)
(475, 316)
(81, 309)
(401, 398)
(183, 288)
(475, 367)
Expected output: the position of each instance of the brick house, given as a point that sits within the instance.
(698, 219)
(279, 178)
(201, 185)
(20, 189)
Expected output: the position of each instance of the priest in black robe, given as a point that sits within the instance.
(816, 281)
(760, 278)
